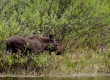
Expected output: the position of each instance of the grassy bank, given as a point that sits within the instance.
(73, 61)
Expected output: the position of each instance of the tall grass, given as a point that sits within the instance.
(74, 61)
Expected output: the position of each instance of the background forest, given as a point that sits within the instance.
(81, 26)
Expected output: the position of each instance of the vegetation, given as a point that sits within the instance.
(82, 27)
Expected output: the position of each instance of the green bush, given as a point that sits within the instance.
(78, 24)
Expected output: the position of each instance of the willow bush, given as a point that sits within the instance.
(76, 23)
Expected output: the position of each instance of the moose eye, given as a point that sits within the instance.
(55, 42)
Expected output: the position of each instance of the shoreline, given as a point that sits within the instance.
(70, 75)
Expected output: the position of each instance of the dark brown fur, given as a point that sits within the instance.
(45, 43)
(15, 43)
(34, 44)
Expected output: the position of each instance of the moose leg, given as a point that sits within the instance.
(8, 49)
(49, 52)
(14, 50)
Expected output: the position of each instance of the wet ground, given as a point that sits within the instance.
(66, 77)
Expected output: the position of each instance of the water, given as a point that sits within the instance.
(58, 78)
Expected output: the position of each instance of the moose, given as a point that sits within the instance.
(32, 44)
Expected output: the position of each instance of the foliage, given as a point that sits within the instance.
(78, 24)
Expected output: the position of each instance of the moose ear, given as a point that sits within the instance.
(50, 36)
